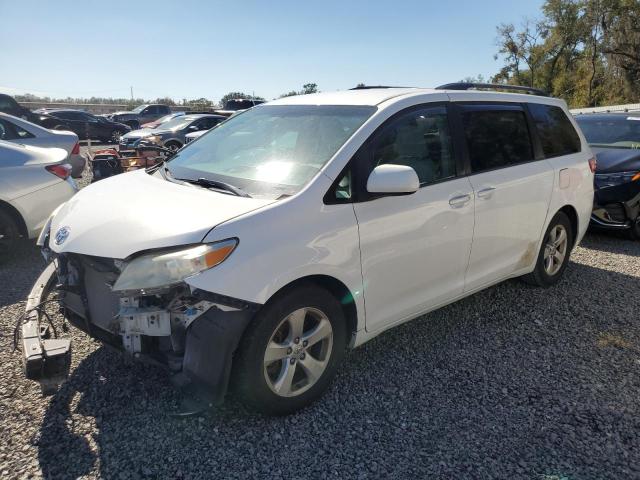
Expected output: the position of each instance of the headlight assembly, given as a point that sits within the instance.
(161, 269)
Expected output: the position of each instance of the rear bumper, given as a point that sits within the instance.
(191, 333)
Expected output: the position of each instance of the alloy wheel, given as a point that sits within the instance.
(555, 249)
(115, 136)
(298, 352)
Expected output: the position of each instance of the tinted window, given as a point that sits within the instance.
(162, 109)
(557, 135)
(420, 140)
(496, 138)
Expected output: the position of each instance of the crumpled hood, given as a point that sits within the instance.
(612, 160)
(128, 213)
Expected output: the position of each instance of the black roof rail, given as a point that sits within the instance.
(367, 87)
(492, 86)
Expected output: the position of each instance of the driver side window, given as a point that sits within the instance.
(421, 140)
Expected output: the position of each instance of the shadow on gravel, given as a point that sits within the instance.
(612, 242)
(18, 270)
(514, 382)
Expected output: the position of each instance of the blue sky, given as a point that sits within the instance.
(189, 49)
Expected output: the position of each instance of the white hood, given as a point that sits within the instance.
(128, 213)
(142, 132)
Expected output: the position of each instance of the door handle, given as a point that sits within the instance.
(486, 192)
(459, 201)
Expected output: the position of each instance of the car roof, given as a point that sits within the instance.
(376, 96)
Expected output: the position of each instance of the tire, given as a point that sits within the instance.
(115, 136)
(634, 232)
(299, 371)
(9, 232)
(173, 146)
(554, 253)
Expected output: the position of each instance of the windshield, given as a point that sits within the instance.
(612, 132)
(166, 118)
(176, 123)
(139, 109)
(270, 150)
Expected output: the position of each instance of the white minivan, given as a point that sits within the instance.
(310, 224)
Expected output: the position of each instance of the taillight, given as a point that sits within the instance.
(76, 149)
(593, 164)
(62, 171)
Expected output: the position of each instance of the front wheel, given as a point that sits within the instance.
(291, 351)
(554, 252)
(115, 136)
(173, 146)
(634, 232)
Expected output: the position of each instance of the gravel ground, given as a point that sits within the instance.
(513, 382)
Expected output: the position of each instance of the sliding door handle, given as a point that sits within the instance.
(486, 192)
(459, 201)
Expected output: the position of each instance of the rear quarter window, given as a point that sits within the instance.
(556, 132)
(496, 138)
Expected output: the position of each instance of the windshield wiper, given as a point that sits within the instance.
(216, 184)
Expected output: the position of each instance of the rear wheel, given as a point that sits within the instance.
(291, 351)
(634, 233)
(9, 232)
(554, 252)
(115, 136)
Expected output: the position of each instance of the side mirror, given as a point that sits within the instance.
(393, 179)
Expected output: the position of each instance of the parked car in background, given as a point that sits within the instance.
(615, 139)
(139, 115)
(263, 238)
(88, 126)
(9, 105)
(162, 120)
(172, 133)
(17, 130)
(33, 183)
(237, 105)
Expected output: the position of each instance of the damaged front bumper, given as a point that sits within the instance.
(191, 332)
(616, 207)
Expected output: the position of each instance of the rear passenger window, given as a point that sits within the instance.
(496, 138)
(557, 135)
(421, 140)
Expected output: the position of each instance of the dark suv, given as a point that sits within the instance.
(86, 125)
(9, 105)
(139, 115)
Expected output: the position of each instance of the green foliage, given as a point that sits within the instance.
(235, 95)
(585, 51)
(306, 89)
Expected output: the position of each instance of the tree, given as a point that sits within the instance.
(306, 89)
(585, 51)
(235, 95)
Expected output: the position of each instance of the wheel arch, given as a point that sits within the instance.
(334, 286)
(16, 216)
(571, 212)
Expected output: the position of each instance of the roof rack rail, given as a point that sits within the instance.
(492, 86)
(367, 87)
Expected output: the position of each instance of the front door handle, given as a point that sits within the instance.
(459, 201)
(486, 192)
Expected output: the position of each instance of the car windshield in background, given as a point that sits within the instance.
(620, 131)
(139, 109)
(270, 150)
(177, 123)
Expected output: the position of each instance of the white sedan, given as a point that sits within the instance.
(18, 130)
(33, 182)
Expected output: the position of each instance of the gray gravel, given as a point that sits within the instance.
(514, 382)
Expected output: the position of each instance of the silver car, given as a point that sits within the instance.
(18, 130)
(172, 134)
(33, 183)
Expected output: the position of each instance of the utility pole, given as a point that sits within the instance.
(131, 93)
